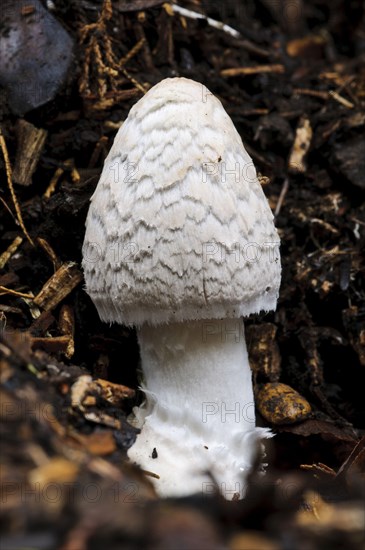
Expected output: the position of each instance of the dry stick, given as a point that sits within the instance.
(244, 43)
(132, 52)
(253, 48)
(281, 198)
(137, 84)
(342, 100)
(50, 253)
(52, 185)
(359, 448)
(100, 145)
(257, 69)
(315, 93)
(7, 254)
(113, 67)
(11, 188)
(16, 293)
(8, 209)
(211, 22)
(136, 48)
(344, 86)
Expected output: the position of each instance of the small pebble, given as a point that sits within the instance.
(280, 404)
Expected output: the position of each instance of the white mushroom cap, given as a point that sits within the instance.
(179, 227)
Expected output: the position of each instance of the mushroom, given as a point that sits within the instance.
(180, 243)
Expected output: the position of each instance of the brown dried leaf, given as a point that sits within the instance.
(313, 427)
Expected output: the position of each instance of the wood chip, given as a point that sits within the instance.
(263, 350)
(67, 328)
(103, 418)
(31, 141)
(114, 393)
(85, 390)
(79, 390)
(89, 401)
(57, 344)
(66, 278)
(302, 141)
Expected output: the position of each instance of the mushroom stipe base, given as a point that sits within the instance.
(199, 412)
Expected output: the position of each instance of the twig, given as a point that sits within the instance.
(101, 63)
(11, 188)
(151, 474)
(50, 253)
(8, 209)
(340, 99)
(239, 71)
(315, 93)
(253, 48)
(359, 448)
(133, 51)
(16, 293)
(211, 22)
(52, 185)
(7, 254)
(137, 84)
(281, 198)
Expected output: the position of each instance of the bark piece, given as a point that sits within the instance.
(31, 141)
(66, 278)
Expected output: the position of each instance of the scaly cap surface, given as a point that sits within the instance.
(179, 227)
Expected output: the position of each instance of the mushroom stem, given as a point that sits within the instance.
(199, 412)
